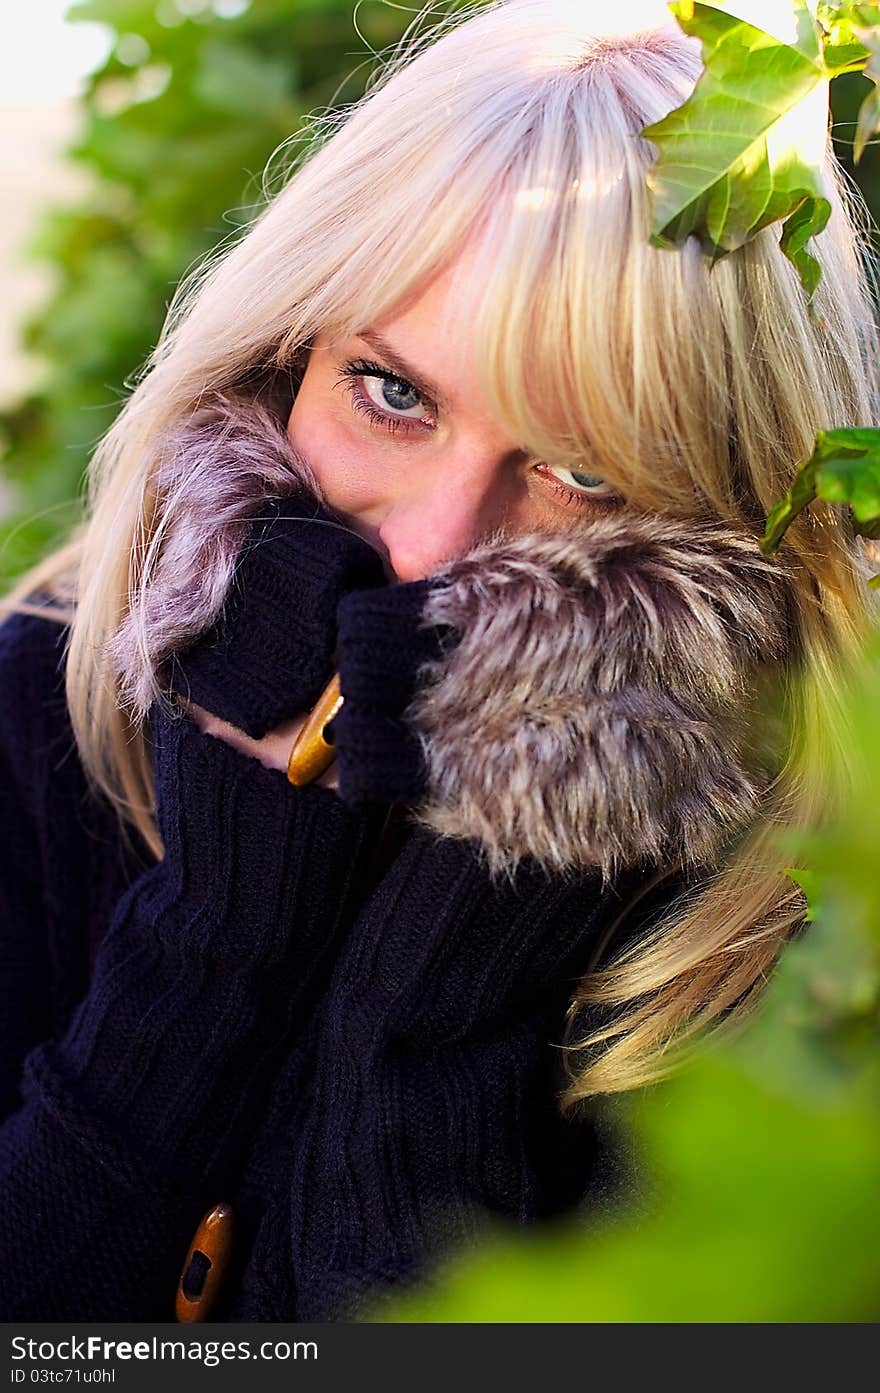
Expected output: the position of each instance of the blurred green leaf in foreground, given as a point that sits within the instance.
(763, 1155)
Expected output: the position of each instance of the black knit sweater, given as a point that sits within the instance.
(350, 1037)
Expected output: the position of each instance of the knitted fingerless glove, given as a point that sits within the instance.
(271, 652)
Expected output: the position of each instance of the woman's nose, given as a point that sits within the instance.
(444, 514)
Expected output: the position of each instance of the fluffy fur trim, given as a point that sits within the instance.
(210, 483)
(596, 709)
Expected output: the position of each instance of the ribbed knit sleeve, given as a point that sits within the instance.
(235, 928)
(131, 1123)
(384, 648)
(438, 1073)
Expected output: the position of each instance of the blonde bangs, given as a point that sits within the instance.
(693, 389)
(578, 321)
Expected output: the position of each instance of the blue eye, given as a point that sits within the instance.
(384, 398)
(589, 484)
(392, 393)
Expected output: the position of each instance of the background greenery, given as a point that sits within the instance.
(764, 1156)
(176, 130)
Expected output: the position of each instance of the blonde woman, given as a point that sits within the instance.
(445, 424)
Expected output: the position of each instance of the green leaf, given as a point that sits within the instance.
(745, 150)
(809, 883)
(843, 49)
(805, 222)
(868, 123)
(848, 470)
(801, 493)
(836, 18)
(843, 468)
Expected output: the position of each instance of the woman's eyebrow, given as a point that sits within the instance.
(398, 364)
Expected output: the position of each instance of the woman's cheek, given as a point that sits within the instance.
(354, 474)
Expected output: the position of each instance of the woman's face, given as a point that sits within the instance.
(394, 429)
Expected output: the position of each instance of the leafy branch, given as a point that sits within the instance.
(746, 151)
(746, 148)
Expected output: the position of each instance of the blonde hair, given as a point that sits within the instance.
(514, 128)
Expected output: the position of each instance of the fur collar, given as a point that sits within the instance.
(599, 707)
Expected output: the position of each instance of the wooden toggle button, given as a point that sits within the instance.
(312, 753)
(205, 1265)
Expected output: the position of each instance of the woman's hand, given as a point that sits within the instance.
(273, 750)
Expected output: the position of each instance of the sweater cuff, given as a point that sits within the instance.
(270, 654)
(237, 838)
(385, 650)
